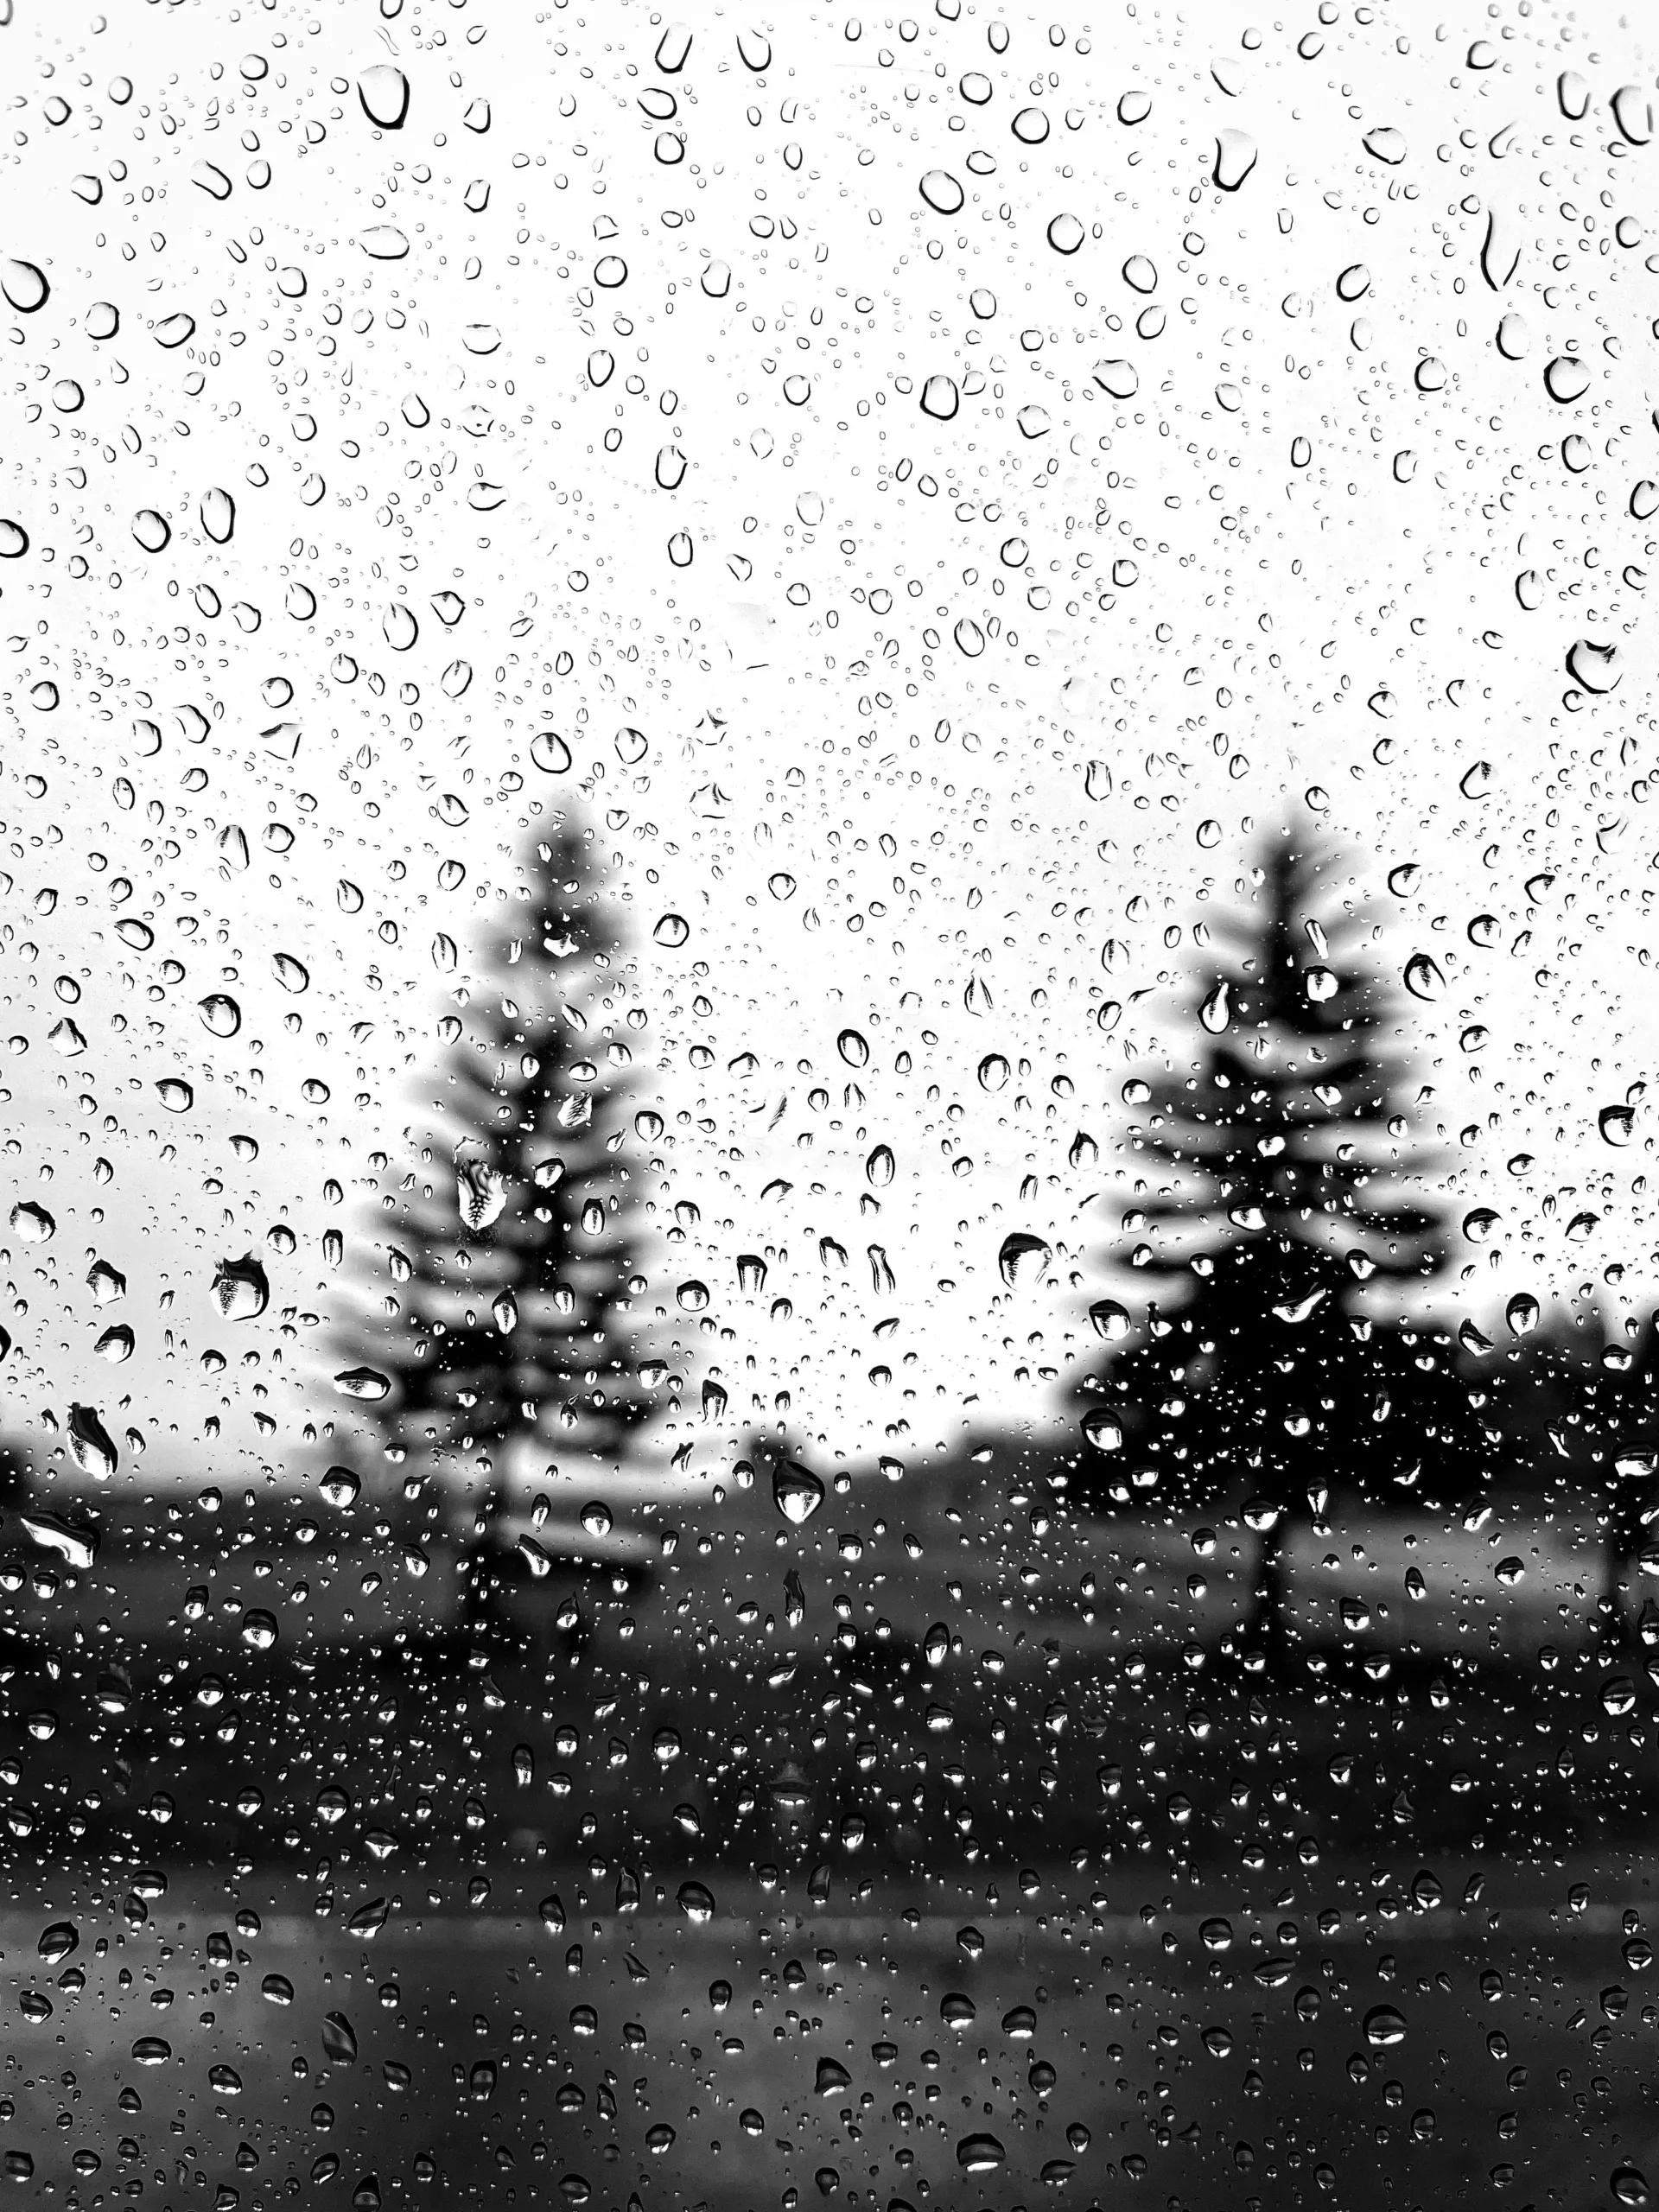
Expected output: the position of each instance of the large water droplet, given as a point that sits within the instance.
(1235, 158)
(1595, 667)
(1215, 1013)
(942, 192)
(977, 2154)
(24, 286)
(384, 91)
(1423, 978)
(364, 1383)
(1023, 1260)
(240, 1288)
(90, 1445)
(480, 1192)
(796, 1490)
(1384, 2025)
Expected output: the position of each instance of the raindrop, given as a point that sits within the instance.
(1385, 144)
(1384, 2026)
(1597, 668)
(1120, 379)
(977, 2154)
(1567, 379)
(24, 286)
(1522, 1314)
(1110, 1321)
(796, 1491)
(1065, 233)
(365, 1382)
(672, 48)
(384, 91)
(673, 930)
(218, 515)
(1235, 158)
(853, 1048)
(481, 1192)
(240, 1289)
(1423, 978)
(1215, 1013)
(1023, 1260)
(58, 1941)
(942, 192)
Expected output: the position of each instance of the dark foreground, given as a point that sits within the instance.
(1381, 2034)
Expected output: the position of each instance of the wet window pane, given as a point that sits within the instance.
(828, 1369)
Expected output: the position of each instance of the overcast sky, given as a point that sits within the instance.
(985, 520)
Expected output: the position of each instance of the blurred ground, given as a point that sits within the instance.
(863, 1744)
(1354, 2043)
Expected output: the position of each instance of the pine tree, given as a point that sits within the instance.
(1264, 1218)
(513, 1273)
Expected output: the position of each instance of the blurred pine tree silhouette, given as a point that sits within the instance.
(1269, 1374)
(511, 1275)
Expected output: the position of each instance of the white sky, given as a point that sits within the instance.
(800, 685)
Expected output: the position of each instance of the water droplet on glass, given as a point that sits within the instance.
(90, 1445)
(384, 91)
(942, 192)
(1385, 144)
(24, 286)
(1384, 2025)
(977, 2154)
(1023, 1260)
(364, 1383)
(1215, 1013)
(1235, 158)
(481, 1192)
(1595, 667)
(1423, 978)
(1065, 233)
(240, 1289)
(796, 1491)
(1121, 379)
